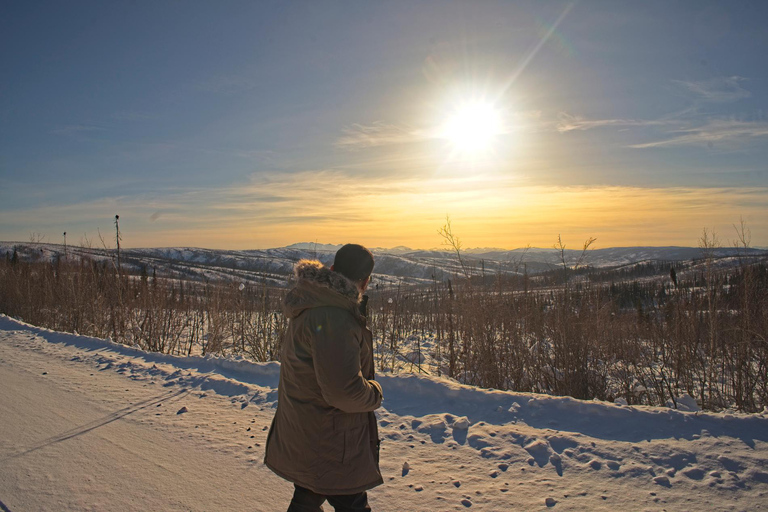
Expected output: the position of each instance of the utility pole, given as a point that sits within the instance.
(65, 245)
(117, 240)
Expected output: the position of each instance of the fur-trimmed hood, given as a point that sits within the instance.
(319, 286)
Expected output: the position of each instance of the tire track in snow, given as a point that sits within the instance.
(93, 425)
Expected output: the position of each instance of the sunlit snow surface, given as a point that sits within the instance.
(445, 446)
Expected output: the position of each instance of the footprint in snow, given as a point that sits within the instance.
(539, 451)
(406, 468)
(460, 428)
(730, 464)
(557, 463)
(694, 473)
(466, 503)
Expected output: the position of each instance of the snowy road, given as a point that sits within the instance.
(66, 450)
(86, 424)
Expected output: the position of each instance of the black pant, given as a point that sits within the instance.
(305, 500)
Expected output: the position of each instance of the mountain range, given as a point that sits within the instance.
(393, 265)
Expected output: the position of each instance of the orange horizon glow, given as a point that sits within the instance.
(483, 211)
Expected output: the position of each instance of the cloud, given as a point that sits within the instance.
(364, 136)
(360, 136)
(567, 123)
(678, 127)
(716, 90)
(721, 131)
(276, 209)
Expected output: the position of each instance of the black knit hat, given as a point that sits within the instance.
(354, 262)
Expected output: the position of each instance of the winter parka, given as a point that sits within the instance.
(324, 435)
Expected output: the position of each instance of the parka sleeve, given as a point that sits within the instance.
(336, 355)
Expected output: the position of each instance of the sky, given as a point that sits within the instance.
(244, 125)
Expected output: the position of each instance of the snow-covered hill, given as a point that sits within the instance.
(398, 265)
(91, 425)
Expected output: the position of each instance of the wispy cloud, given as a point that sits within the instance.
(275, 209)
(720, 131)
(716, 90)
(713, 90)
(689, 127)
(567, 122)
(361, 136)
(364, 136)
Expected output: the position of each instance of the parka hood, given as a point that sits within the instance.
(319, 286)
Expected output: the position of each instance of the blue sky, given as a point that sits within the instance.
(258, 124)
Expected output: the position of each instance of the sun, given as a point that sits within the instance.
(472, 127)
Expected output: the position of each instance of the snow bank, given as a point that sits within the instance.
(225, 375)
(448, 446)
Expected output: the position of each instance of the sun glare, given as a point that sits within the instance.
(472, 127)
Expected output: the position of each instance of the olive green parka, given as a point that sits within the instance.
(324, 435)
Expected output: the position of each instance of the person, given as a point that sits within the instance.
(324, 436)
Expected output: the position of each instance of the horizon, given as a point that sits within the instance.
(639, 124)
(465, 250)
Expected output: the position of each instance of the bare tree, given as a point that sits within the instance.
(518, 262)
(36, 238)
(708, 243)
(743, 235)
(560, 246)
(86, 242)
(583, 256)
(454, 243)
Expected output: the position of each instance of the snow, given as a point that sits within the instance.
(88, 424)
(394, 267)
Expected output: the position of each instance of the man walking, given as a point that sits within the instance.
(324, 436)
